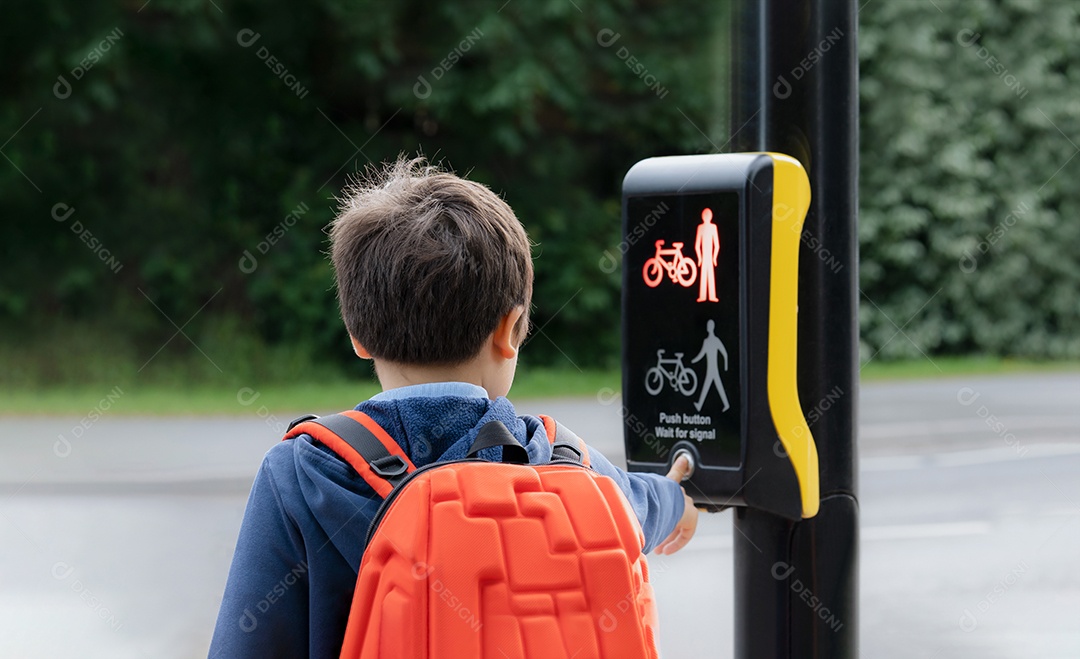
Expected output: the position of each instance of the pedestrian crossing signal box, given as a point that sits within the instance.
(709, 328)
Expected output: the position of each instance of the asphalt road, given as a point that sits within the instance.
(116, 533)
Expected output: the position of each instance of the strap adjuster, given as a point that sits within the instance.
(301, 419)
(566, 453)
(390, 466)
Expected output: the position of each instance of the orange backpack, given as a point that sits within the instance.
(470, 558)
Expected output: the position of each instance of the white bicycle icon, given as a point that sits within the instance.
(679, 376)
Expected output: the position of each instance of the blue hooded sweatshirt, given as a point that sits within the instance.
(292, 578)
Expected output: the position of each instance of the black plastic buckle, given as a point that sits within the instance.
(566, 453)
(390, 466)
(300, 419)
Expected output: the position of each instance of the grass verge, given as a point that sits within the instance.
(282, 399)
(928, 368)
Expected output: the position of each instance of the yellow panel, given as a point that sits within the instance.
(791, 200)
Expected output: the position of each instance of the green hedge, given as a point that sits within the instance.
(203, 150)
(970, 212)
(183, 155)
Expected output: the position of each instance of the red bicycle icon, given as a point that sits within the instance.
(680, 269)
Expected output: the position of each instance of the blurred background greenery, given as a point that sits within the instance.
(170, 166)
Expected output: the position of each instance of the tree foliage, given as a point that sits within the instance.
(173, 163)
(201, 138)
(969, 207)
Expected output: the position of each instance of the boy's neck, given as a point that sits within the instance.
(492, 367)
(392, 376)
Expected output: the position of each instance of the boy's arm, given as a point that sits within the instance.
(687, 524)
(256, 618)
(658, 501)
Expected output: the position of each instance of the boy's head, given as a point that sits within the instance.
(428, 265)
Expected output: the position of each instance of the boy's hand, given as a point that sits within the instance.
(687, 524)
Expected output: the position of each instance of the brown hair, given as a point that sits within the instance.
(427, 263)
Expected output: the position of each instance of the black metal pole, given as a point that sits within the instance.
(795, 91)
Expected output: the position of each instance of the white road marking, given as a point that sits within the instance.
(710, 542)
(914, 531)
(968, 425)
(968, 458)
(868, 533)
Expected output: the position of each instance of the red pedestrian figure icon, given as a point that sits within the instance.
(707, 247)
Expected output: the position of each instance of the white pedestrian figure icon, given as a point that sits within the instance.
(707, 248)
(709, 349)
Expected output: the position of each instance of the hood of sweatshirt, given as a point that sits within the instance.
(428, 429)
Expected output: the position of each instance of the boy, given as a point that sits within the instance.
(434, 277)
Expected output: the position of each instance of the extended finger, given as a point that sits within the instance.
(661, 549)
(679, 468)
(677, 544)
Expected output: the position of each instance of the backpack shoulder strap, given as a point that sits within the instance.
(359, 441)
(561, 436)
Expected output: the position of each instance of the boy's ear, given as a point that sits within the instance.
(505, 339)
(359, 349)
